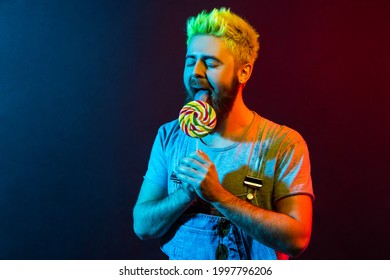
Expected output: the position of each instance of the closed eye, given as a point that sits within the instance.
(212, 63)
(209, 61)
(190, 61)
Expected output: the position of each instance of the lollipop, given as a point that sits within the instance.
(197, 118)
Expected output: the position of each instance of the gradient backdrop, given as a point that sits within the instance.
(84, 85)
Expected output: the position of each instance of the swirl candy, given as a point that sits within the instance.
(197, 118)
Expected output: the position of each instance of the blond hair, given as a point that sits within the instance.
(240, 37)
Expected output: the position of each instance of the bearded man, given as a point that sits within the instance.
(244, 191)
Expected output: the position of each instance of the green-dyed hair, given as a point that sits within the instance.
(240, 37)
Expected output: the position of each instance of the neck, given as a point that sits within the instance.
(233, 127)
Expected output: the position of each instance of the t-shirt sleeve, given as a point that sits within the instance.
(293, 171)
(157, 166)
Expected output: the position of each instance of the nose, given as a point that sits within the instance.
(199, 69)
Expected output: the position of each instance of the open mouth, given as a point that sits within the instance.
(201, 89)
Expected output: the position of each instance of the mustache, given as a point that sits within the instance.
(199, 83)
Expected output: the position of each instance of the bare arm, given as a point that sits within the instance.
(155, 211)
(287, 230)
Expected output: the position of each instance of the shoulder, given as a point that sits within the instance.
(278, 139)
(169, 133)
(280, 133)
(169, 128)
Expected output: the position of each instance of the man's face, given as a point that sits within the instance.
(210, 74)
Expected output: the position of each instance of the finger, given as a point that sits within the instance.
(187, 170)
(192, 163)
(203, 154)
(189, 180)
(200, 156)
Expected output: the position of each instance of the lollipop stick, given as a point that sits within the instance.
(197, 140)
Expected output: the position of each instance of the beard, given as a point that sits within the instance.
(222, 102)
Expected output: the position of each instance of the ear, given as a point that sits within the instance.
(244, 73)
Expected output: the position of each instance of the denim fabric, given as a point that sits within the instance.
(196, 237)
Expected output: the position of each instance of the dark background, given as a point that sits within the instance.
(84, 85)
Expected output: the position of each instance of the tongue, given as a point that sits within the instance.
(202, 95)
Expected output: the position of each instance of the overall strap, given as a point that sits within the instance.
(256, 166)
